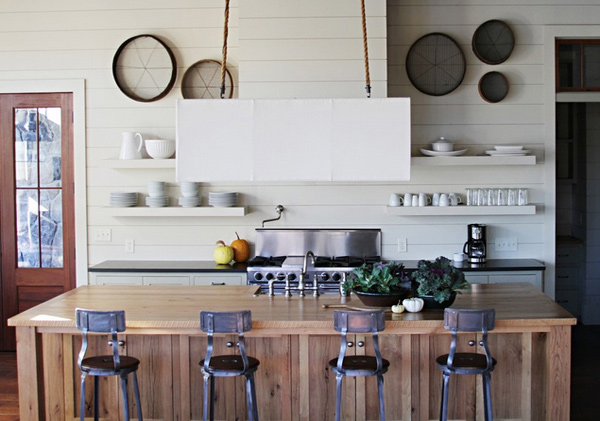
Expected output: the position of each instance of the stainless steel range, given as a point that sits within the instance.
(297, 261)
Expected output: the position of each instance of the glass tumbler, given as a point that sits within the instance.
(523, 197)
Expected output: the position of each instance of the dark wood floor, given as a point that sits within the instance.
(585, 378)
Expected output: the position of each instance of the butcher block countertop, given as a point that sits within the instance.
(178, 307)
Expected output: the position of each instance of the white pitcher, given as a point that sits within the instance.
(130, 149)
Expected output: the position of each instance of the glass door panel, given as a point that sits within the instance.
(38, 182)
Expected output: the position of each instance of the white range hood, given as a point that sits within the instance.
(293, 139)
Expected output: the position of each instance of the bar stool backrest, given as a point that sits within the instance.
(464, 320)
(226, 321)
(359, 322)
(238, 322)
(95, 321)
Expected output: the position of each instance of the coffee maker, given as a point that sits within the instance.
(475, 247)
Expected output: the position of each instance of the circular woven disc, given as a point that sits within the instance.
(493, 42)
(203, 80)
(493, 87)
(435, 64)
(144, 68)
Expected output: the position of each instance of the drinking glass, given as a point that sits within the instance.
(523, 197)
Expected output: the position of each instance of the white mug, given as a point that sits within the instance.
(394, 200)
(415, 200)
(424, 200)
(435, 199)
(454, 199)
(444, 201)
(407, 199)
(459, 257)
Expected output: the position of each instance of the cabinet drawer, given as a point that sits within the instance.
(476, 279)
(166, 280)
(569, 300)
(532, 278)
(567, 255)
(220, 279)
(118, 280)
(567, 277)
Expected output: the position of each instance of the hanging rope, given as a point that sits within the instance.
(224, 60)
(365, 48)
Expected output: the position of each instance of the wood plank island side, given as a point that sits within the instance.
(294, 338)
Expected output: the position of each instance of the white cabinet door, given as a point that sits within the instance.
(533, 277)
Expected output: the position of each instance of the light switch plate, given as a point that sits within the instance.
(506, 244)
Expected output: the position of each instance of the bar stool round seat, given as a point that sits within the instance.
(110, 322)
(469, 363)
(241, 364)
(104, 366)
(230, 365)
(359, 365)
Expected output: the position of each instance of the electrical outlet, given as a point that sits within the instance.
(130, 246)
(102, 234)
(402, 247)
(506, 244)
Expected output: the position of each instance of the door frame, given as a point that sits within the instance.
(77, 88)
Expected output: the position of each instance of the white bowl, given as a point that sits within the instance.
(159, 148)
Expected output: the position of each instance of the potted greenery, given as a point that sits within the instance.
(379, 284)
(438, 282)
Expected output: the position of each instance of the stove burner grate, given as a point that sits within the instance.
(345, 261)
(263, 261)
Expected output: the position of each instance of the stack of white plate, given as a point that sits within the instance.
(508, 151)
(190, 201)
(123, 199)
(222, 199)
(157, 202)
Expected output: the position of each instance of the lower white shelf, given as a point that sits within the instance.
(174, 211)
(460, 210)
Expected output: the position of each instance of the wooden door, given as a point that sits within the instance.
(37, 237)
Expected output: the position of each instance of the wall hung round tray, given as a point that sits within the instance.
(203, 80)
(144, 68)
(493, 87)
(435, 64)
(493, 42)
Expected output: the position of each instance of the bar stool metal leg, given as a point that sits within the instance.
(205, 400)
(444, 406)
(338, 395)
(380, 393)
(82, 397)
(487, 395)
(96, 397)
(125, 400)
(136, 391)
(254, 407)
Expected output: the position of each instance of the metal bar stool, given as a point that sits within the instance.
(111, 322)
(233, 365)
(358, 365)
(458, 320)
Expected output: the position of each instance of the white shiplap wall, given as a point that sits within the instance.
(277, 57)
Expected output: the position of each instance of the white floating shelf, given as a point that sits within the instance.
(140, 163)
(460, 210)
(472, 160)
(174, 211)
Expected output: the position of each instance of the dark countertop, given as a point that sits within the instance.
(491, 265)
(210, 266)
(166, 266)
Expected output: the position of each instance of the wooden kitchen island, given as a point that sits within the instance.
(293, 338)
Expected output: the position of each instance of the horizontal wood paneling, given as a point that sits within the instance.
(286, 48)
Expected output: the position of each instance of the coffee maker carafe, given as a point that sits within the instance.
(475, 247)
